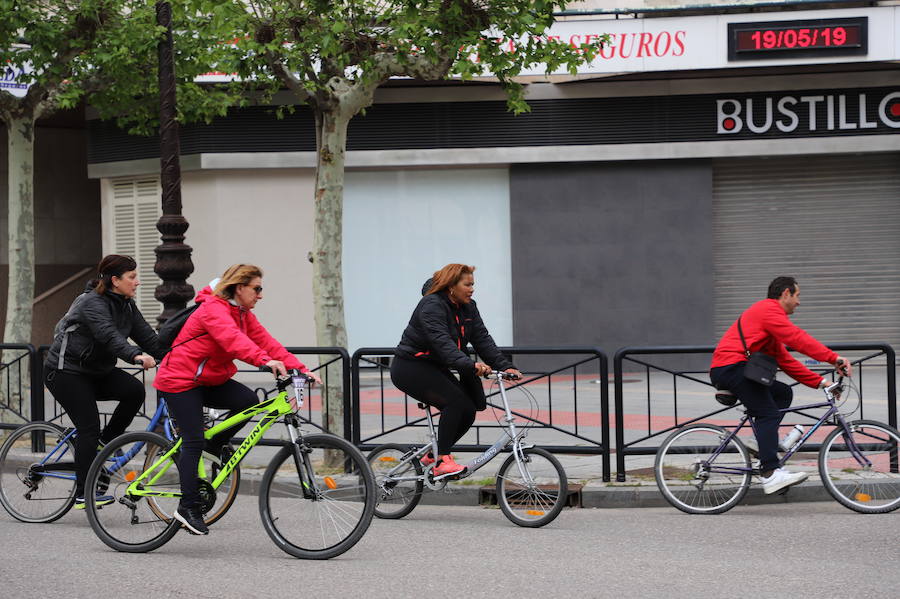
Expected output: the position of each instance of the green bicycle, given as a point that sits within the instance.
(316, 498)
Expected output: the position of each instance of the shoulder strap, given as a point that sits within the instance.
(68, 329)
(743, 342)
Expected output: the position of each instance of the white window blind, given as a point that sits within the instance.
(135, 211)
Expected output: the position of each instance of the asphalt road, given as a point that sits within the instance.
(788, 550)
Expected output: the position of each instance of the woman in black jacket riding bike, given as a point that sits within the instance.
(80, 367)
(444, 322)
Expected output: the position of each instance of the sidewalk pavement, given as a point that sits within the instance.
(585, 480)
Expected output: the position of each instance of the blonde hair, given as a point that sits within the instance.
(449, 276)
(234, 275)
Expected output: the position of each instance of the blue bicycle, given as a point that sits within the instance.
(37, 470)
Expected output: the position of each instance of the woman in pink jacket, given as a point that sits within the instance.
(198, 370)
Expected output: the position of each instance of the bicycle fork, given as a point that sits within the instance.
(301, 453)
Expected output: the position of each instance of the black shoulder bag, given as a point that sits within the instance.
(760, 367)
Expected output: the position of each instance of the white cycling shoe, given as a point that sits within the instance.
(781, 479)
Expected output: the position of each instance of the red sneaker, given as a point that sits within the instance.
(447, 466)
(427, 460)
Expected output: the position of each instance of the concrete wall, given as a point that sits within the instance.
(612, 254)
(402, 225)
(263, 218)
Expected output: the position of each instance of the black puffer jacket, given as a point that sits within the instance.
(95, 331)
(439, 330)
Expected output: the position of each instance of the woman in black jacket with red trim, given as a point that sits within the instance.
(442, 325)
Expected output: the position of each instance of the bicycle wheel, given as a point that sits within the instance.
(395, 498)
(325, 507)
(531, 493)
(132, 523)
(214, 502)
(872, 488)
(699, 476)
(37, 473)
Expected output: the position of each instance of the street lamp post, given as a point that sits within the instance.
(173, 256)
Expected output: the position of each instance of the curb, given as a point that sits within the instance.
(597, 495)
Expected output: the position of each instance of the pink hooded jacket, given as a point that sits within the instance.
(216, 334)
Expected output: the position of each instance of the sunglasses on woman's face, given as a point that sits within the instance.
(258, 289)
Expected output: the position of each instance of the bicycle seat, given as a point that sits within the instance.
(421, 405)
(726, 397)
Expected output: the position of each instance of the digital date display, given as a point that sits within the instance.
(783, 39)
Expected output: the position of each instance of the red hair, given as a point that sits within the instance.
(449, 276)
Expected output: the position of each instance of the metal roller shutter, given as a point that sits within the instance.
(831, 221)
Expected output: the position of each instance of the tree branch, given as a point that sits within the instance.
(288, 78)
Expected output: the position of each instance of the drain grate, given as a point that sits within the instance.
(487, 495)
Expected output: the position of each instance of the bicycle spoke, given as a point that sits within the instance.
(696, 474)
(531, 492)
(860, 469)
(37, 473)
(338, 512)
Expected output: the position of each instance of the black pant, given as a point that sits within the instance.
(78, 394)
(187, 410)
(763, 403)
(456, 399)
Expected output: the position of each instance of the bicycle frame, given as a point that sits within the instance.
(161, 415)
(831, 413)
(273, 409)
(510, 436)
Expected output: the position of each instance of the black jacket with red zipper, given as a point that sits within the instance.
(439, 330)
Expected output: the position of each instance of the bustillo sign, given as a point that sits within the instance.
(850, 112)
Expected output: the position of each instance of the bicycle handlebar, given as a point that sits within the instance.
(834, 387)
(499, 374)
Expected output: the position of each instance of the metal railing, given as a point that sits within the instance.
(562, 415)
(689, 380)
(332, 370)
(20, 384)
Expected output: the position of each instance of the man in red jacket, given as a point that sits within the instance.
(767, 328)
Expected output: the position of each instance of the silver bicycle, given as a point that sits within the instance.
(531, 484)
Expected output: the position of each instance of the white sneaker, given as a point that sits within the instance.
(781, 479)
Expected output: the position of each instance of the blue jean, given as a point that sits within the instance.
(763, 403)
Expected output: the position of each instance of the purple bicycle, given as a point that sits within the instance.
(706, 469)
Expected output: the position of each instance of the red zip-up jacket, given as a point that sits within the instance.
(768, 329)
(216, 334)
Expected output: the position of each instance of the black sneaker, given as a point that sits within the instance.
(192, 520)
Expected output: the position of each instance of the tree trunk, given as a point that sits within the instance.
(20, 294)
(328, 284)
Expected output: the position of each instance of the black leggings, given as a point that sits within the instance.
(456, 399)
(78, 394)
(187, 410)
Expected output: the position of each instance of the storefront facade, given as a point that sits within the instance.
(644, 201)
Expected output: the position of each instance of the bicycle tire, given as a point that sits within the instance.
(27, 492)
(680, 475)
(130, 524)
(340, 499)
(866, 489)
(531, 503)
(220, 501)
(404, 496)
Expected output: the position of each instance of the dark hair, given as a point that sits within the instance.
(114, 265)
(779, 284)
